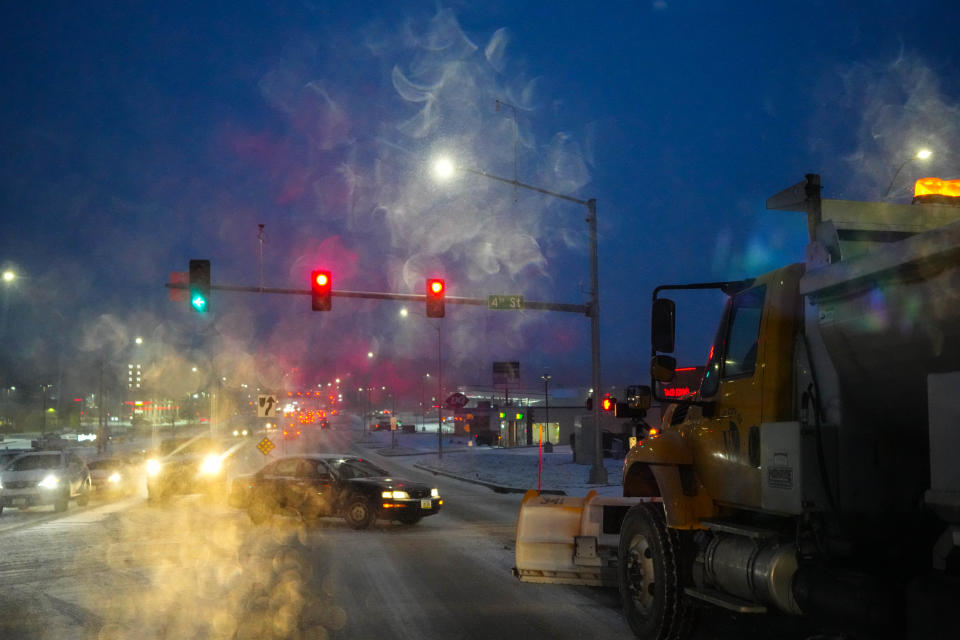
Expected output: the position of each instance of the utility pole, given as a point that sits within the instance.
(260, 238)
(546, 403)
(101, 423)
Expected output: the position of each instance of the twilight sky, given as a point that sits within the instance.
(139, 135)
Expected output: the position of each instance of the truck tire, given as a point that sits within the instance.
(63, 501)
(648, 571)
(84, 498)
(359, 514)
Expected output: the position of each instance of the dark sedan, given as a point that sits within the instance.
(318, 485)
(187, 465)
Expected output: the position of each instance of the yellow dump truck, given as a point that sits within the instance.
(817, 470)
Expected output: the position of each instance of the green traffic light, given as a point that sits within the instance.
(199, 303)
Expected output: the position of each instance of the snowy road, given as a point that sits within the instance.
(197, 569)
(194, 568)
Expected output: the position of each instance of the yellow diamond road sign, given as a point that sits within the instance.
(265, 446)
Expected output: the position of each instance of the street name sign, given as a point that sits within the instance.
(501, 302)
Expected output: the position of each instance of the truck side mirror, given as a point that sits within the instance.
(663, 368)
(662, 323)
(639, 395)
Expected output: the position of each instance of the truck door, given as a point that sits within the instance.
(726, 440)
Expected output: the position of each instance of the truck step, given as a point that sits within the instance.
(724, 600)
(746, 530)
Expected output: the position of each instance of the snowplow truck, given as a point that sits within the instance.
(816, 472)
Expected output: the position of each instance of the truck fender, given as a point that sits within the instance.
(661, 466)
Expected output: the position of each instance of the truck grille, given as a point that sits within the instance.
(20, 484)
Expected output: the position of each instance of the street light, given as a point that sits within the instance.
(9, 276)
(444, 168)
(922, 154)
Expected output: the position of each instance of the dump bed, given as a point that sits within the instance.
(882, 314)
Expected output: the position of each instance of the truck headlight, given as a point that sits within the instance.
(114, 478)
(434, 493)
(211, 465)
(395, 495)
(50, 482)
(153, 467)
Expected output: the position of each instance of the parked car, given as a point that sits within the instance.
(317, 485)
(186, 465)
(44, 477)
(111, 478)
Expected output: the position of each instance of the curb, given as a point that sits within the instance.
(387, 452)
(496, 488)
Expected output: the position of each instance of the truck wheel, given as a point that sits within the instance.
(63, 501)
(359, 514)
(84, 498)
(648, 569)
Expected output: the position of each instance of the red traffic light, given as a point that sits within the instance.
(321, 289)
(608, 403)
(436, 307)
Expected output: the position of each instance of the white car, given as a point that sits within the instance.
(42, 478)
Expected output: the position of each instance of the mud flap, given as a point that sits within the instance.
(570, 540)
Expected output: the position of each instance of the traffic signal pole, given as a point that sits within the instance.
(531, 305)
(439, 389)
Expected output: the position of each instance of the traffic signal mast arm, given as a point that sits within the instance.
(376, 295)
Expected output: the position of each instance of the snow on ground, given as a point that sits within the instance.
(515, 468)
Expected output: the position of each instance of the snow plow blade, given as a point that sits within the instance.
(570, 540)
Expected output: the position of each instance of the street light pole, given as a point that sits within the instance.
(598, 473)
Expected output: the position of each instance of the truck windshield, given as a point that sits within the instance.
(29, 463)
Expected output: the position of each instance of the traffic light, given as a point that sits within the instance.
(321, 286)
(589, 403)
(436, 290)
(200, 285)
(608, 403)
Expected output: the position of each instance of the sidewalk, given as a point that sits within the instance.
(503, 470)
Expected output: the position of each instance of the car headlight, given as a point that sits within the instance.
(434, 493)
(50, 482)
(395, 495)
(211, 465)
(114, 478)
(153, 467)
(235, 432)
